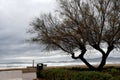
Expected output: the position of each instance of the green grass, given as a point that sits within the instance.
(79, 74)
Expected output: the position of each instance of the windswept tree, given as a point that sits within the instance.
(79, 23)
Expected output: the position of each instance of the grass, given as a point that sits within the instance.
(75, 73)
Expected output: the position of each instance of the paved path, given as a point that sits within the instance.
(11, 75)
(17, 75)
(29, 76)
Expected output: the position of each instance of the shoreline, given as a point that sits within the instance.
(84, 66)
(33, 69)
(24, 70)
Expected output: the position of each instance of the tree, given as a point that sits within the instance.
(81, 23)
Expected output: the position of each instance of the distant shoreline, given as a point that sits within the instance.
(33, 69)
(24, 70)
(84, 66)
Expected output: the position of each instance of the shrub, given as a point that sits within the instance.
(89, 75)
(115, 78)
(56, 74)
(65, 74)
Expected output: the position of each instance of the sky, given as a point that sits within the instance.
(15, 17)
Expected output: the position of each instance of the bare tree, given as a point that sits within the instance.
(81, 23)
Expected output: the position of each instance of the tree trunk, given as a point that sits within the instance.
(104, 57)
(103, 62)
(85, 61)
(88, 64)
(81, 57)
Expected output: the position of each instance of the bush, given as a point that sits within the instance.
(65, 74)
(114, 70)
(89, 75)
(56, 74)
(115, 78)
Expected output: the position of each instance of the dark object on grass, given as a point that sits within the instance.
(40, 66)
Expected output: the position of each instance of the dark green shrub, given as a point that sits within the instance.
(65, 74)
(115, 78)
(56, 74)
(114, 70)
(89, 75)
(111, 69)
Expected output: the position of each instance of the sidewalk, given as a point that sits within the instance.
(29, 76)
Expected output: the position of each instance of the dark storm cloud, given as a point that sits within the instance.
(15, 17)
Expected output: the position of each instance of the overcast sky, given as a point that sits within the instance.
(15, 17)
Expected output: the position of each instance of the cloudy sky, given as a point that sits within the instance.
(15, 17)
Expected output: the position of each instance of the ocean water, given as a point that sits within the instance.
(56, 58)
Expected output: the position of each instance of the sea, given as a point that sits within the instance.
(56, 58)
